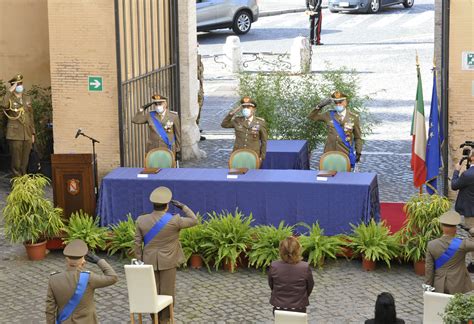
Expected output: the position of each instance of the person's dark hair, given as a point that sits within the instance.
(159, 207)
(385, 312)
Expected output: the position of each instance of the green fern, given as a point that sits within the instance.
(191, 239)
(85, 227)
(122, 238)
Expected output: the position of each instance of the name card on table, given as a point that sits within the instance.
(142, 175)
(321, 179)
(232, 176)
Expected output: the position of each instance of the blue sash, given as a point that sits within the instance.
(449, 253)
(161, 130)
(75, 299)
(340, 132)
(157, 228)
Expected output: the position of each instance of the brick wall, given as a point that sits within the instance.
(82, 43)
(461, 99)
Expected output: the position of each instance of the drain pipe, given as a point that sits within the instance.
(445, 15)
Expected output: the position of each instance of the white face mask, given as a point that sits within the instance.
(246, 112)
(159, 109)
(19, 89)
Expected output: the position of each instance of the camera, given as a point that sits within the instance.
(467, 147)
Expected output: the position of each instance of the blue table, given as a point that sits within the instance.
(270, 195)
(286, 154)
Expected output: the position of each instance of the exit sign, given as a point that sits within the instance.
(95, 83)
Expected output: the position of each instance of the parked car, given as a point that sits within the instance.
(367, 6)
(237, 15)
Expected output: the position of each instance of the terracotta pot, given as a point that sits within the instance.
(368, 265)
(228, 266)
(36, 251)
(243, 260)
(196, 261)
(55, 243)
(419, 267)
(346, 252)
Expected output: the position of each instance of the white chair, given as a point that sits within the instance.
(285, 317)
(434, 303)
(142, 295)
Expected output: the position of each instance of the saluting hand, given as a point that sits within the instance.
(92, 258)
(177, 204)
(235, 110)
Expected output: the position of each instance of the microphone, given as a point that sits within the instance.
(79, 132)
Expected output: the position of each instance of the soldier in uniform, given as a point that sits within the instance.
(250, 130)
(70, 296)
(445, 267)
(164, 128)
(20, 132)
(343, 127)
(157, 241)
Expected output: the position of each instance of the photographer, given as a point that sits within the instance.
(465, 185)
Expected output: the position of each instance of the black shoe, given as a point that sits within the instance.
(317, 44)
(202, 138)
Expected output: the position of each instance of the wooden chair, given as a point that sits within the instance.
(142, 295)
(160, 158)
(335, 161)
(434, 303)
(285, 317)
(244, 158)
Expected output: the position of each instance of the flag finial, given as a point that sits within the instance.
(417, 60)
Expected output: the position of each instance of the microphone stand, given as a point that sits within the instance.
(94, 161)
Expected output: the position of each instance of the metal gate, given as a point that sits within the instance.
(147, 63)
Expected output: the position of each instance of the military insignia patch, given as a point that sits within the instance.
(73, 186)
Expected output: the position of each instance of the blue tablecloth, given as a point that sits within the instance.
(285, 154)
(270, 195)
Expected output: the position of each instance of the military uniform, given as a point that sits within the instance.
(350, 123)
(164, 251)
(249, 133)
(170, 122)
(62, 285)
(452, 277)
(20, 128)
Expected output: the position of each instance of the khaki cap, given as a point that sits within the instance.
(338, 96)
(247, 101)
(450, 218)
(17, 78)
(158, 98)
(161, 195)
(76, 249)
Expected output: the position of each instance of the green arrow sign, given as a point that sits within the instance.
(95, 83)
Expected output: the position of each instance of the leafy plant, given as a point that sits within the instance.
(317, 246)
(422, 209)
(415, 243)
(226, 236)
(284, 100)
(374, 242)
(459, 310)
(85, 227)
(266, 242)
(29, 216)
(122, 238)
(41, 102)
(191, 239)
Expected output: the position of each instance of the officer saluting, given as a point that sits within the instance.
(250, 130)
(343, 127)
(164, 129)
(21, 126)
(445, 267)
(70, 296)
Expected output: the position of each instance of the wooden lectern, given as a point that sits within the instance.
(73, 183)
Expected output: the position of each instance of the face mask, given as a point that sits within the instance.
(19, 89)
(246, 112)
(159, 109)
(340, 108)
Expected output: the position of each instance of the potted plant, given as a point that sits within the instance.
(122, 238)
(421, 226)
(29, 217)
(226, 237)
(317, 246)
(85, 227)
(373, 242)
(459, 310)
(191, 239)
(266, 242)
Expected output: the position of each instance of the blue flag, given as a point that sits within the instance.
(433, 147)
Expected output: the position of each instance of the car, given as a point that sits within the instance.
(367, 6)
(237, 15)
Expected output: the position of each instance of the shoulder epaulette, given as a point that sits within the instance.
(260, 118)
(173, 112)
(54, 272)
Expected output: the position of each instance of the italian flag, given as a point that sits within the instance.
(418, 132)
